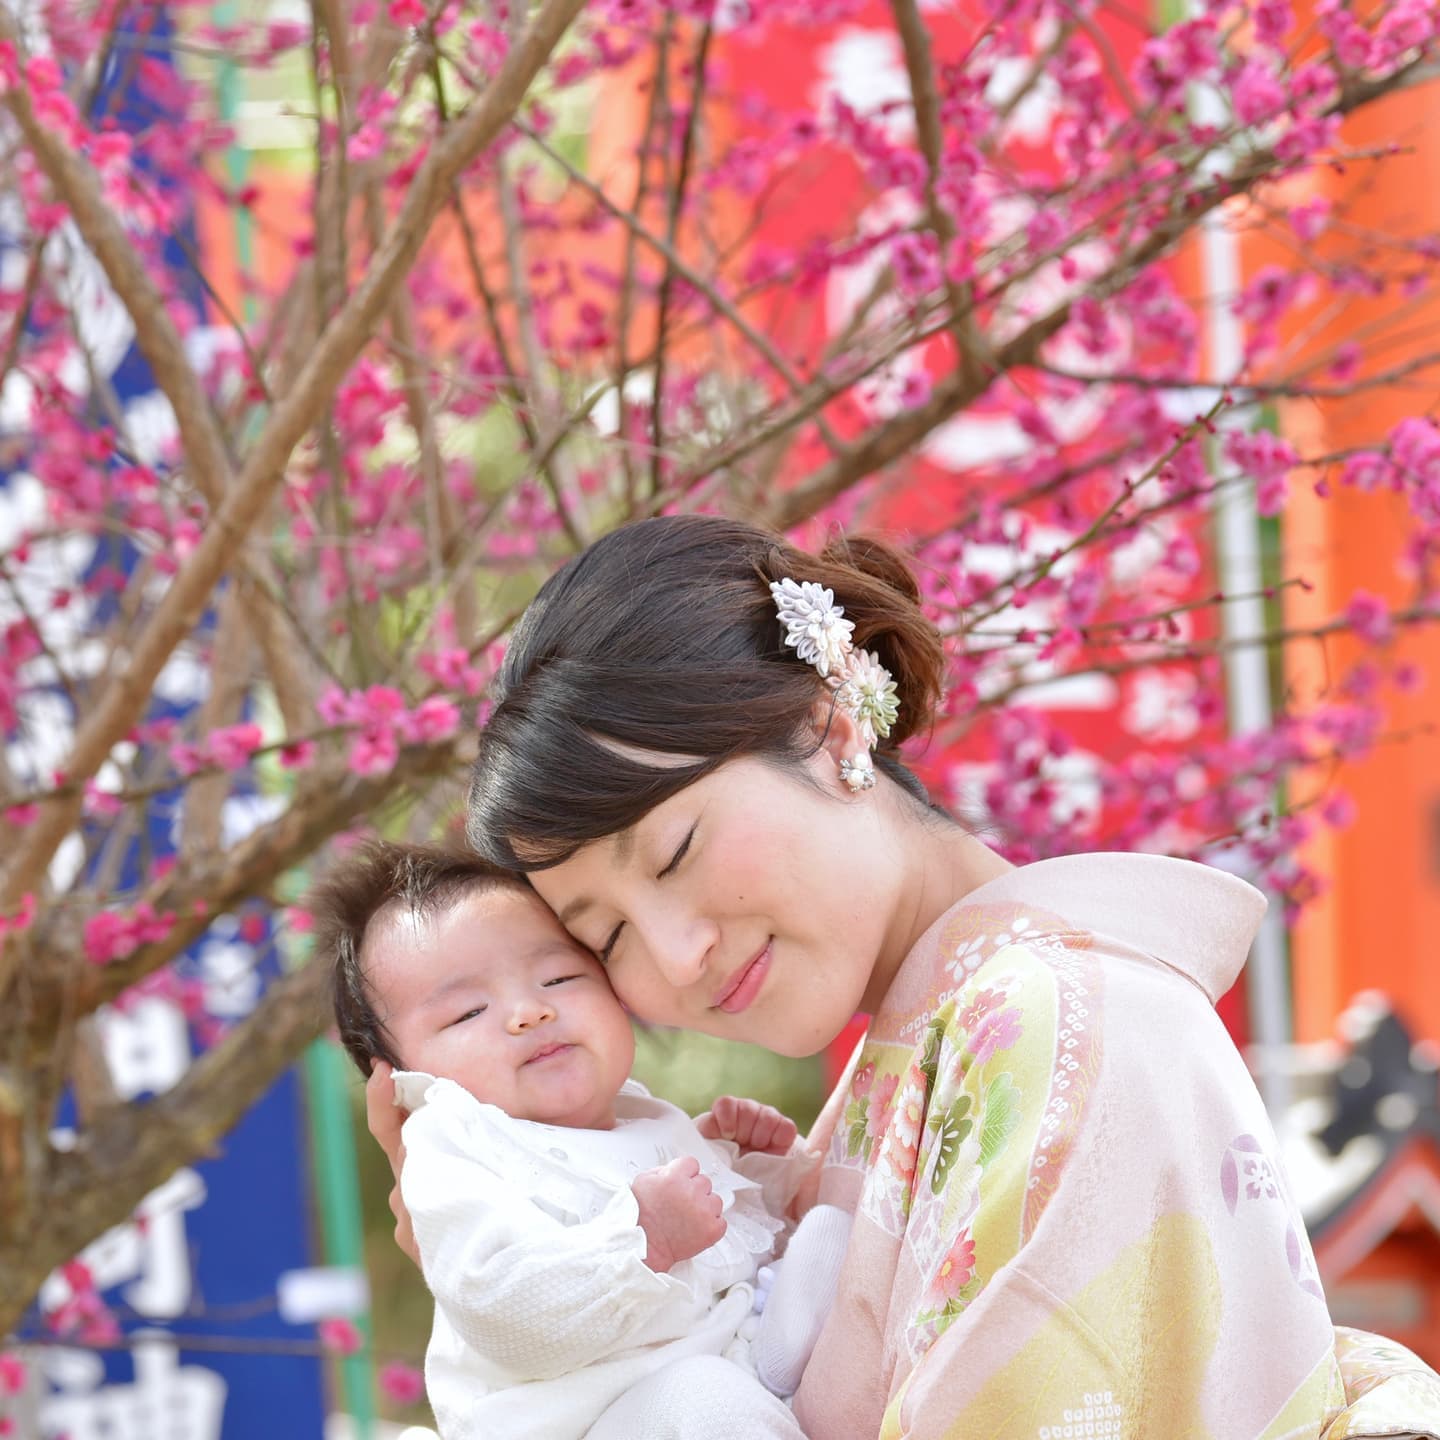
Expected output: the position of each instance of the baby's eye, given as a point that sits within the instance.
(469, 1015)
(561, 979)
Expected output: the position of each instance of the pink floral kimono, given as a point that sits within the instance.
(1071, 1223)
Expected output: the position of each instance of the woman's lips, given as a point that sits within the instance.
(742, 987)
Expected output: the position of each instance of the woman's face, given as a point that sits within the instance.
(752, 905)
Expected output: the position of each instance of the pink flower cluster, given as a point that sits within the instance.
(384, 721)
(228, 748)
(114, 934)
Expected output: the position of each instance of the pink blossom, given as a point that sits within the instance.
(1415, 447)
(915, 389)
(1273, 20)
(1310, 219)
(1409, 679)
(374, 751)
(1309, 137)
(432, 720)
(917, 265)
(1405, 25)
(101, 804)
(340, 1336)
(1366, 470)
(1266, 459)
(188, 759)
(285, 35)
(233, 745)
(1256, 93)
(297, 755)
(114, 935)
(452, 669)
(403, 1384)
(1338, 811)
(1346, 364)
(1269, 295)
(21, 918)
(12, 1374)
(1369, 617)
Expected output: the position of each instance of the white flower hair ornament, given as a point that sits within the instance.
(817, 630)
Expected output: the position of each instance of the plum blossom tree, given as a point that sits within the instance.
(553, 267)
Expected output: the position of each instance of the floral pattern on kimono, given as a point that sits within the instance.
(1070, 1215)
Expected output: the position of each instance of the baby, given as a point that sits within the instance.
(578, 1234)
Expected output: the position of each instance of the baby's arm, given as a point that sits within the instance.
(534, 1297)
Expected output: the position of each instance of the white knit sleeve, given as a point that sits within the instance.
(534, 1297)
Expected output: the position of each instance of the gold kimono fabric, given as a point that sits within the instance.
(1071, 1221)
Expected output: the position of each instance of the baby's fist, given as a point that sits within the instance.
(751, 1125)
(679, 1212)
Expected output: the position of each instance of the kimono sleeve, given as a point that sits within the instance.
(534, 1297)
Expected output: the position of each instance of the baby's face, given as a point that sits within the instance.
(491, 993)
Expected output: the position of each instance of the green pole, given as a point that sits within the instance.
(332, 1135)
(332, 1147)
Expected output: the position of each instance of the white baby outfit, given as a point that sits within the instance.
(545, 1311)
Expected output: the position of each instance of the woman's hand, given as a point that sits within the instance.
(751, 1125)
(385, 1118)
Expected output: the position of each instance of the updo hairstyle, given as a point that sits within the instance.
(662, 640)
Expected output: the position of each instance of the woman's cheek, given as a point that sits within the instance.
(647, 997)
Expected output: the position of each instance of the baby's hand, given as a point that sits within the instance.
(679, 1212)
(751, 1125)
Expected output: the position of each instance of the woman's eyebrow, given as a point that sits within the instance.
(574, 909)
(624, 846)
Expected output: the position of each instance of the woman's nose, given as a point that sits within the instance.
(527, 1013)
(680, 947)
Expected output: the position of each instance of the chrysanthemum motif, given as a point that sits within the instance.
(869, 694)
(814, 624)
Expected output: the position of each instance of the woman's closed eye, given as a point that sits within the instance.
(679, 854)
(606, 950)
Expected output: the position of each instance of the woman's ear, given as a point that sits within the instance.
(838, 738)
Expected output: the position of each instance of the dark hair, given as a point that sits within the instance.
(662, 637)
(379, 874)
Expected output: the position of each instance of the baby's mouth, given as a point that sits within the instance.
(546, 1052)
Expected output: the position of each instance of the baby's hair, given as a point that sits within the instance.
(422, 878)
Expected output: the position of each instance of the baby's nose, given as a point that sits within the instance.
(527, 1015)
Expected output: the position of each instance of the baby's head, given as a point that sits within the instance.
(446, 964)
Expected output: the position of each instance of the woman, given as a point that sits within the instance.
(1069, 1216)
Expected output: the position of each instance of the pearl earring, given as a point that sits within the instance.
(858, 773)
